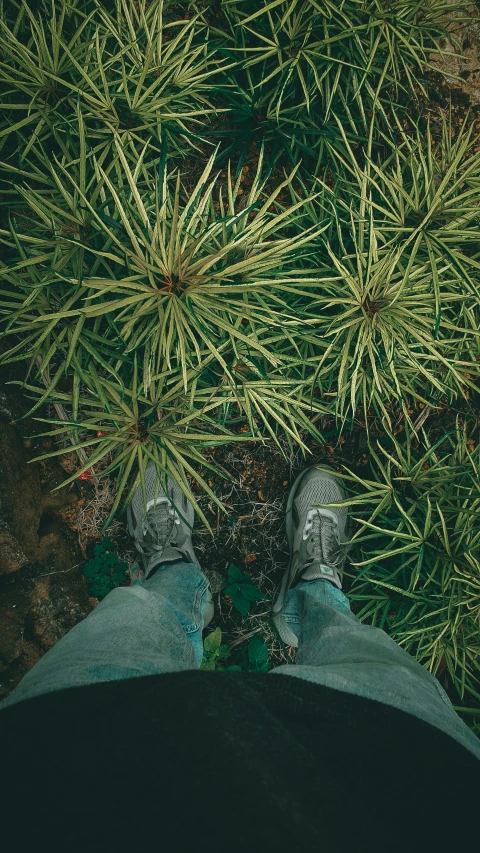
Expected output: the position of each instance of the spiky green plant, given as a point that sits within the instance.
(129, 72)
(156, 78)
(325, 51)
(176, 278)
(377, 342)
(297, 68)
(424, 195)
(272, 403)
(399, 320)
(202, 289)
(37, 72)
(386, 336)
(256, 112)
(416, 571)
(121, 429)
(46, 255)
(249, 119)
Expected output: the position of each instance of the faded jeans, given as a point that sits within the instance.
(155, 626)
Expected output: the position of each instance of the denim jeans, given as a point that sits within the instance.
(155, 626)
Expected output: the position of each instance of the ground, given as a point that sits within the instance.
(46, 536)
(42, 591)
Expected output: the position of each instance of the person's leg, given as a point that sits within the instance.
(335, 649)
(312, 613)
(152, 627)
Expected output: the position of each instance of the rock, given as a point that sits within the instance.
(14, 672)
(216, 580)
(12, 556)
(55, 608)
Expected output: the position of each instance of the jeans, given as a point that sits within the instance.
(155, 626)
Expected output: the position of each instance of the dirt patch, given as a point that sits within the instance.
(466, 67)
(42, 591)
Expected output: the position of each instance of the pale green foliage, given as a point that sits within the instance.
(416, 571)
(398, 312)
(136, 73)
(126, 428)
(214, 651)
(339, 54)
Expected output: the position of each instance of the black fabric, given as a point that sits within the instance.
(230, 762)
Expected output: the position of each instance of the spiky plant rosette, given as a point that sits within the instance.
(415, 567)
(37, 69)
(251, 113)
(121, 428)
(155, 77)
(129, 71)
(46, 253)
(177, 276)
(380, 342)
(399, 322)
(247, 119)
(424, 194)
(345, 54)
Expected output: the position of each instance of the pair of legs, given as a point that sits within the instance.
(155, 626)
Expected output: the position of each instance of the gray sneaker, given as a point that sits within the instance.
(315, 537)
(162, 533)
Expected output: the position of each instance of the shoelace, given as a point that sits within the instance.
(159, 527)
(325, 544)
